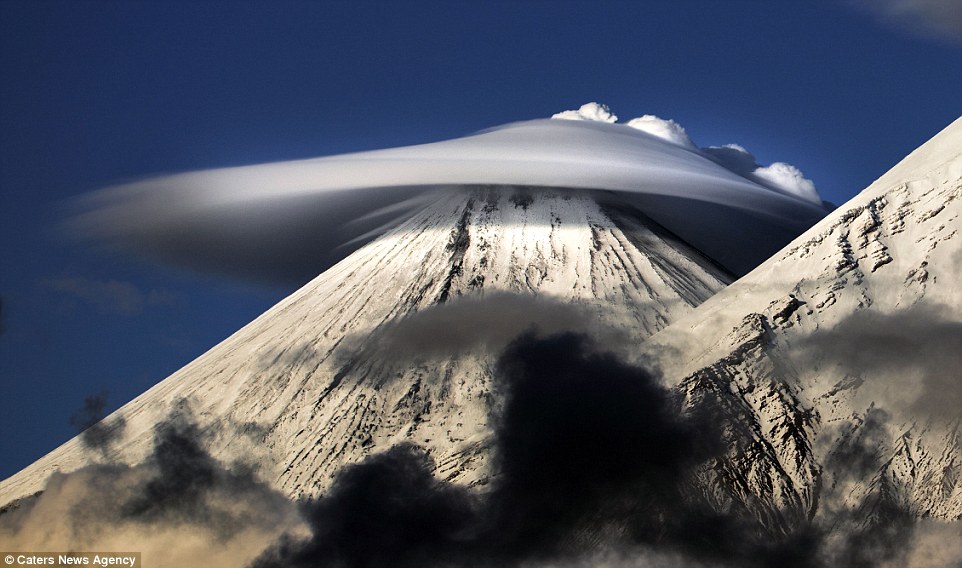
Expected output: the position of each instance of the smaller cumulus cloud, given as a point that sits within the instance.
(588, 111)
(788, 179)
(779, 176)
(925, 18)
(112, 296)
(666, 129)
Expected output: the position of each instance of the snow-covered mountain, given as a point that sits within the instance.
(362, 358)
(831, 370)
(838, 360)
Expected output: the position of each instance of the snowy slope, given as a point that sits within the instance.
(324, 378)
(838, 358)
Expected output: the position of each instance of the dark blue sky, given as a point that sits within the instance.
(92, 93)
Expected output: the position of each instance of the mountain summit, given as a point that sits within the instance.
(397, 341)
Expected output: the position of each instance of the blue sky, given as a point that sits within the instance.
(93, 93)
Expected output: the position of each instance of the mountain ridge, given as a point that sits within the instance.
(811, 328)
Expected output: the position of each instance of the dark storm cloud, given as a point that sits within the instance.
(189, 486)
(591, 454)
(580, 431)
(386, 511)
(96, 433)
(911, 359)
(179, 507)
(596, 465)
(594, 459)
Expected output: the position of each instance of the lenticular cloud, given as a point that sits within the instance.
(290, 220)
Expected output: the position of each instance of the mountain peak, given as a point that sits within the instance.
(318, 374)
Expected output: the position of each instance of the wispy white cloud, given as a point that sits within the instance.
(931, 18)
(112, 296)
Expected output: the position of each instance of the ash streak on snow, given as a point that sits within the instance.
(290, 220)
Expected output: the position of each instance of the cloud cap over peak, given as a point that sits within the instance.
(291, 220)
